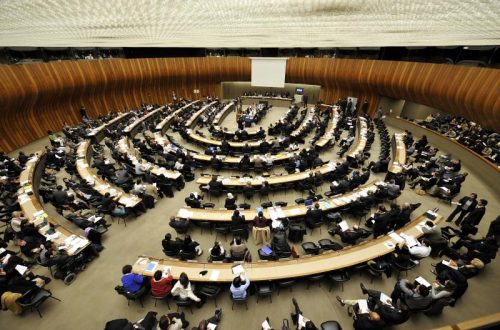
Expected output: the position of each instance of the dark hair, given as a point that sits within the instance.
(429, 223)
(164, 322)
(424, 291)
(261, 214)
(187, 239)
(157, 275)
(475, 195)
(126, 269)
(59, 187)
(238, 240)
(237, 282)
(184, 280)
(484, 202)
(168, 236)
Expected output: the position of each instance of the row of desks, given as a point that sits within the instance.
(330, 130)
(164, 123)
(131, 129)
(34, 212)
(135, 157)
(97, 134)
(101, 186)
(280, 157)
(191, 122)
(398, 153)
(272, 180)
(359, 145)
(289, 268)
(223, 113)
(298, 210)
(309, 116)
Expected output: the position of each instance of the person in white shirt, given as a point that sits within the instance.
(183, 289)
(178, 165)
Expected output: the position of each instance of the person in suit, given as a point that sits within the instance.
(476, 215)
(387, 312)
(193, 201)
(169, 245)
(59, 197)
(465, 206)
(215, 186)
(416, 297)
(314, 216)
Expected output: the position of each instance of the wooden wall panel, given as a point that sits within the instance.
(38, 97)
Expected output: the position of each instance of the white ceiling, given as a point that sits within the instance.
(248, 23)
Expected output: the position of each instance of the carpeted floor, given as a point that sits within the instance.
(91, 300)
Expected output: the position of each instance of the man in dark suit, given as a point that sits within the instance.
(314, 216)
(59, 197)
(475, 216)
(465, 206)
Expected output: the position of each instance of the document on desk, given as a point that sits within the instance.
(410, 240)
(184, 213)
(238, 270)
(21, 269)
(422, 281)
(385, 298)
(151, 266)
(396, 237)
(343, 225)
(363, 306)
(214, 275)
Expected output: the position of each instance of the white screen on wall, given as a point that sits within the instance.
(268, 72)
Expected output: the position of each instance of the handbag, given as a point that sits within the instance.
(286, 325)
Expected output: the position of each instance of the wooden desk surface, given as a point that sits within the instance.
(360, 143)
(132, 126)
(177, 112)
(231, 160)
(277, 270)
(34, 212)
(330, 130)
(398, 153)
(257, 97)
(191, 122)
(272, 180)
(298, 210)
(211, 142)
(99, 129)
(223, 113)
(98, 184)
(134, 155)
(308, 117)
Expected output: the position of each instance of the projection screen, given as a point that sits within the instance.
(268, 71)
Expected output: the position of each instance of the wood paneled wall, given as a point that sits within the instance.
(465, 91)
(38, 97)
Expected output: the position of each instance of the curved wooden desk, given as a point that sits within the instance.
(398, 153)
(272, 180)
(217, 143)
(101, 186)
(131, 129)
(223, 113)
(97, 134)
(262, 97)
(298, 210)
(191, 122)
(164, 123)
(359, 145)
(278, 270)
(330, 130)
(280, 157)
(309, 116)
(134, 156)
(34, 212)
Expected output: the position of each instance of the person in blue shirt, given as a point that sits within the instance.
(131, 282)
(239, 287)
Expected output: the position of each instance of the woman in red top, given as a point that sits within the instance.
(260, 221)
(160, 287)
